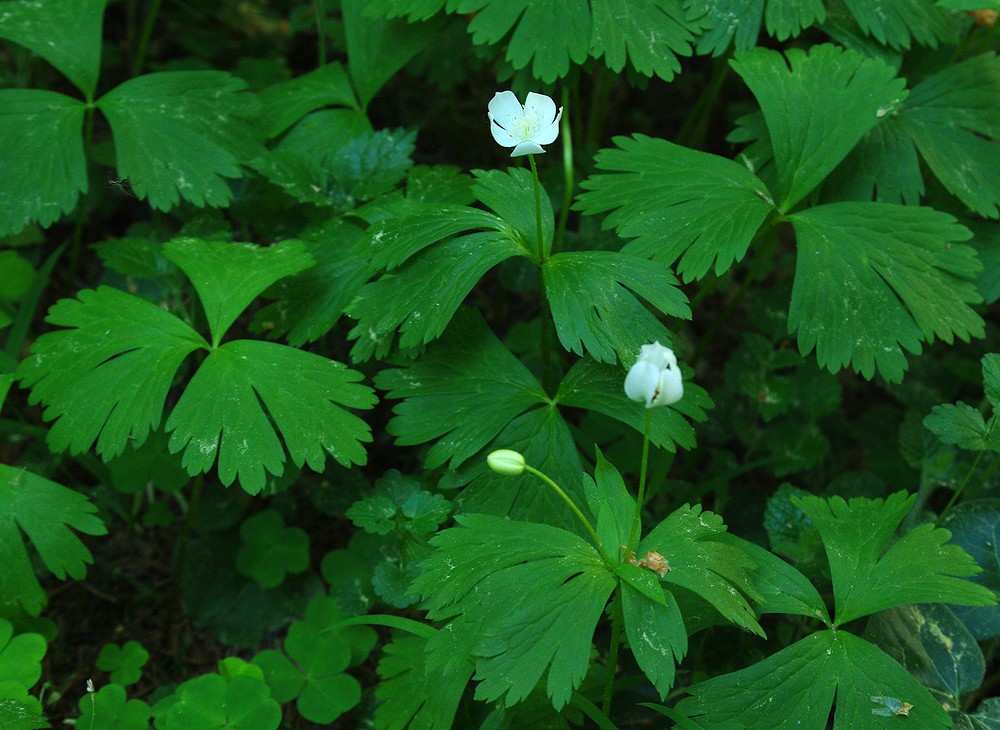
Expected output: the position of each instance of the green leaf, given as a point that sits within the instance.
(719, 572)
(66, 33)
(18, 715)
(796, 686)
(655, 634)
(511, 195)
(106, 376)
(975, 527)
(271, 550)
(462, 392)
(399, 500)
(108, 709)
(322, 657)
(668, 199)
(883, 166)
(209, 702)
(954, 122)
(874, 278)
(286, 103)
(895, 22)
(962, 425)
(991, 379)
(41, 153)
(228, 276)
(222, 413)
(817, 106)
(594, 297)
(410, 695)
(124, 663)
(413, 9)
(45, 512)
(649, 34)
(933, 645)
(738, 22)
(596, 387)
(918, 568)
(610, 502)
(181, 134)
(377, 49)
(552, 588)
(20, 656)
(532, 41)
(281, 675)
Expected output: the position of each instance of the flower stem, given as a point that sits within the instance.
(572, 505)
(320, 11)
(975, 463)
(566, 132)
(545, 314)
(616, 640)
(147, 31)
(635, 532)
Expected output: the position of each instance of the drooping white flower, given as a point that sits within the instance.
(655, 378)
(525, 128)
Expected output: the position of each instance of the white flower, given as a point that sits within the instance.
(525, 128)
(655, 377)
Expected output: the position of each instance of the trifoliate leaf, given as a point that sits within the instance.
(106, 377)
(124, 663)
(953, 121)
(668, 198)
(655, 634)
(532, 40)
(400, 501)
(392, 580)
(66, 33)
(41, 154)
(895, 22)
(373, 514)
(411, 696)
(527, 597)
(962, 425)
(281, 675)
(719, 572)
(463, 391)
(209, 701)
(817, 106)
(109, 708)
(610, 322)
(20, 656)
(867, 578)
(228, 276)
(222, 413)
(45, 512)
(873, 279)
(378, 48)
(181, 134)
(932, 644)
(796, 688)
(597, 387)
(286, 103)
(649, 34)
(975, 527)
(322, 657)
(270, 550)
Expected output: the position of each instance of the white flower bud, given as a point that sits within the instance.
(655, 378)
(507, 462)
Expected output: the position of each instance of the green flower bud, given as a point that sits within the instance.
(507, 462)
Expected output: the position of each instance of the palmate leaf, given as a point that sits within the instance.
(895, 22)
(609, 321)
(222, 413)
(41, 154)
(883, 167)
(668, 199)
(817, 106)
(411, 696)
(867, 577)
(66, 33)
(527, 597)
(181, 134)
(228, 276)
(796, 688)
(286, 103)
(954, 121)
(648, 34)
(738, 22)
(962, 425)
(47, 513)
(106, 376)
(873, 279)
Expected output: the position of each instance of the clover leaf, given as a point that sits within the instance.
(399, 501)
(271, 550)
(109, 708)
(123, 662)
(45, 512)
(209, 702)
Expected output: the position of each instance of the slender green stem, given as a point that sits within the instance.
(616, 640)
(695, 127)
(600, 94)
(544, 314)
(81, 206)
(635, 532)
(968, 475)
(542, 255)
(147, 32)
(572, 505)
(319, 8)
(566, 131)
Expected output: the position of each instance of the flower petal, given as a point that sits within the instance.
(502, 136)
(527, 147)
(548, 134)
(506, 110)
(540, 111)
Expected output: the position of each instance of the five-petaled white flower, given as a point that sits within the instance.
(525, 128)
(655, 377)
